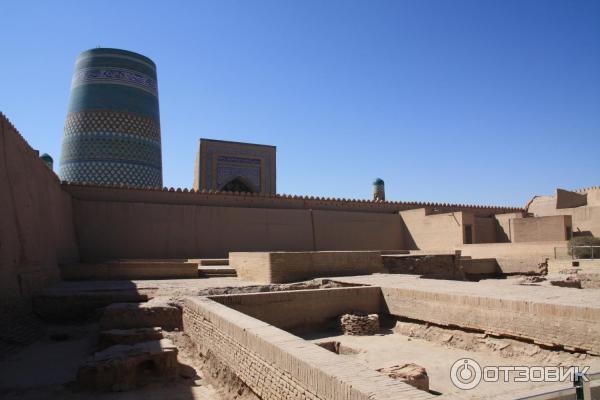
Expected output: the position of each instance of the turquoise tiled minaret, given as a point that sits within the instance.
(112, 131)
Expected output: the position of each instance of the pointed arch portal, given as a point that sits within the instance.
(237, 185)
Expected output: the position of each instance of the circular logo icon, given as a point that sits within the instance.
(465, 373)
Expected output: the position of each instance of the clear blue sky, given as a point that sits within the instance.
(486, 102)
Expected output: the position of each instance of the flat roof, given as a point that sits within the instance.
(232, 142)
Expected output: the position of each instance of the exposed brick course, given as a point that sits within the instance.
(278, 365)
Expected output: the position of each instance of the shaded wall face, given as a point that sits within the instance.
(344, 230)
(504, 226)
(568, 199)
(537, 229)
(36, 224)
(585, 219)
(305, 309)
(108, 229)
(485, 229)
(434, 231)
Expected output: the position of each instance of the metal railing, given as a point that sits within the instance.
(583, 386)
(577, 252)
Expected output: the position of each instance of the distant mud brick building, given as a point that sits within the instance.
(235, 167)
(582, 205)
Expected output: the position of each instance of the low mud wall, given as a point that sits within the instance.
(514, 258)
(304, 309)
(281, 267)
(442, 266)
(129, 270)
(568, 326)
(278, 365)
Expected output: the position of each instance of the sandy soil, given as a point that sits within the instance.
(392, 348)
(504, 288)
(47, 370)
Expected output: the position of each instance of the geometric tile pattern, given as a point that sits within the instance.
(112, 130)
(112, 174)
(111, 121)
(111, 146)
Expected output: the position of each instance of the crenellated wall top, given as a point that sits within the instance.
(242, 199)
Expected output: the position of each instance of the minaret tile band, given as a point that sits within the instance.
(112, 130)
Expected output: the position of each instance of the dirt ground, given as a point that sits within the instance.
(47, 370)
(392, 348)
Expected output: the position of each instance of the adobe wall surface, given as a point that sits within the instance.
(129, 270)
(573, 327)
(480, 267)
(344, 230)
(281, 267)
(304, 309)
(278, 365)
(592, 195)
(258, 200)
(568, 199)
(585, 218)
(432, 229)
(36, 224)
(486, 230)
(430, 232)
(504, 226)
(111, 229)
(108, 230)
(537, 229)
(514, 258)
(442, 266)
(439, 266)
(501, 309)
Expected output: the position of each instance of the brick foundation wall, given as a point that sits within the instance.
(278, 365)
(281, 267)
(301, 310)
(547, 323)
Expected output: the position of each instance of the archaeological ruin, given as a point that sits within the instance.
(113, 286)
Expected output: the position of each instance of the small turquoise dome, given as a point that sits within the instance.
(48, 160)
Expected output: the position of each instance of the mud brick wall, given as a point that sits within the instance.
(444, 266)
(304, 309)
(111, 229)
(548, 323)
(129, 270)
(281, 267)
(278, 365)
(36, 224)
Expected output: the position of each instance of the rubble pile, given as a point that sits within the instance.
(359, 324)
